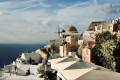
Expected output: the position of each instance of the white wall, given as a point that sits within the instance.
(61, 51)
(23, 56)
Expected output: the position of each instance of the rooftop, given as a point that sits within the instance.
(68, 59)
(71, 29)
(30, 55)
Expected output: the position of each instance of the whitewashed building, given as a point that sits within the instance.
(8, 68)
(89, 36)
(35, 57)
(105, 26)
(74, 69)
(19, 62)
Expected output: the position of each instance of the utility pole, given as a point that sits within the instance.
(58, 31)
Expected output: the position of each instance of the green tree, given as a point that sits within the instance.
(117, 56)
(105, 49)
(107, 53)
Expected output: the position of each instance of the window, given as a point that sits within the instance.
(95, 24)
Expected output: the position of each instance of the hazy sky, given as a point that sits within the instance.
(35, 21)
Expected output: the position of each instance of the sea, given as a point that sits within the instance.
(9, 52)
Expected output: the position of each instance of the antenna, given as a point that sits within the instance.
(58, 31)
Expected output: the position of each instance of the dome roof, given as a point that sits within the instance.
(71, 29)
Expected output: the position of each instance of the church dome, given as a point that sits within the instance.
(71, 29)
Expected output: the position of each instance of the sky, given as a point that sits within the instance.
(36, 21)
